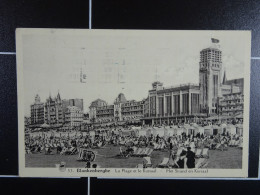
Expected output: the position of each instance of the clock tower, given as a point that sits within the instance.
(210, 77)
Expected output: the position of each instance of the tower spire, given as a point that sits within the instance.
(58, 96)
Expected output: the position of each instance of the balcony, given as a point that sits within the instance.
(132, 110)
(131, 105)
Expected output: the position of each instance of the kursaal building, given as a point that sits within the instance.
(213, 96)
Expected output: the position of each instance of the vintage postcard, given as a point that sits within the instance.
(133, 103)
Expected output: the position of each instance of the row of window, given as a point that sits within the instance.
(105, 116)
(231, 108)
(233, 98)
(132, 113)
(213, 65)
(105, 112)
(73, 118)
(79, 121)
(75, 111)
(210, 51)
(133, 109)
(74, 115)
(106, 108)
(132, 104)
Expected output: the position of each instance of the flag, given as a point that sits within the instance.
(214, 40)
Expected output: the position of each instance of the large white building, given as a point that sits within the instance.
(185, 102)
(192, 101)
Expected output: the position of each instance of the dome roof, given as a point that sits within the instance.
(121, 98)
(98, 102)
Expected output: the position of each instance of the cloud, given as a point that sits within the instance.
(234, 68)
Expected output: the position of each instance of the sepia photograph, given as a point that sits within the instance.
(133, 103)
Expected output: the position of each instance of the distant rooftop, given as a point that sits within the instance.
(211, 48)
(177, 86)
(98, 102)
(235, 81)
(121, 98)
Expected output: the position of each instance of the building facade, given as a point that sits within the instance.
(72, 102)
(172, 104)
(190, 102)
(213, 95)
(132, 110)
(93, 109)
(37, 111)
(54, 112)
(121, 110)
(210, 78)
(105, 114)
(73, 117)
(233, 86)
(231, 104)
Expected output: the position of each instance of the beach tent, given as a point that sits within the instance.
(223, 127)
(134, 128)
(141, 132)
(158, 131)
(231, 129)
(208, 130)
(116, 132)
(169, 131)
(198, 129)
(71, 134)
(63, 134)
(175, 130)
(180, 130)
(92, 135)
(187, 129)
(135, 132)
(216, 130)
(148, 132)
(166, 132)
(127, 132)
(239, 129)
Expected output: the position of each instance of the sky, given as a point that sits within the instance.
(118, 61)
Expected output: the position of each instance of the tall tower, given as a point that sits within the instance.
(210, 77)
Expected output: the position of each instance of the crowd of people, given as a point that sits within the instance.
(60, 144)
(182, 147)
